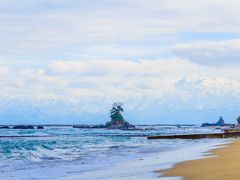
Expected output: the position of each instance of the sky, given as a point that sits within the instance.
(168, 61)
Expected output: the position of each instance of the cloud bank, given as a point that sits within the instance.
(37, 30)
(169, 61)
(87, 89)
(211, 53)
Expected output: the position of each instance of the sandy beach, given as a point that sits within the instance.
(223, 163)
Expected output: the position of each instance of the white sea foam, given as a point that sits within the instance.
(96, 154)
(143, 169)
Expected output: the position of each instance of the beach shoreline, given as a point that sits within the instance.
(220, 164)
(70, 153)
(145, 167)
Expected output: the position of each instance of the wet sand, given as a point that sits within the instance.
(225, 165)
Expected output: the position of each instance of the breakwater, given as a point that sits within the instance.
(198, 136)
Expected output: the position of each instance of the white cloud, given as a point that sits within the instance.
(92, 86)
(4, 71)
(156, 79)
(210, 52)
(120, 49)
(64, 28)
(147, 68)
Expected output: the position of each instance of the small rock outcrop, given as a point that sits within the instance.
(149, 129)
(4, 127)
(220, 122)
(99, 126)
(82, 126)
(23, 127)
(40, 127)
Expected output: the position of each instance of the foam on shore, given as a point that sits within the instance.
(222, 164)
(144, 168)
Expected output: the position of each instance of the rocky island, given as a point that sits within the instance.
(220, 122)
(117, 120)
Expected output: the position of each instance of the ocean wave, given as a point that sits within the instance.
(76, 150)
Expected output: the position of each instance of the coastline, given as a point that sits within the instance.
(97, 154)
(221, 163)
(145, 167)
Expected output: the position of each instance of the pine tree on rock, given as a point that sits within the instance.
(117, 120)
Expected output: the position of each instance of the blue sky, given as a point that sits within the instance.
(169, 61)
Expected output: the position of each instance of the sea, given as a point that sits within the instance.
(94, 154)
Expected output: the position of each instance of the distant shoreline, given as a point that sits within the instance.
(95, 124)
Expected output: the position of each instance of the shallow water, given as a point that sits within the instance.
(69, 152)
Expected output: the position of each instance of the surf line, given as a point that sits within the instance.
(24, 136)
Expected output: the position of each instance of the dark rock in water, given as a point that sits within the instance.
(40, 127)
(116, 124)
(82, 126)
(130, 128)
(117, 120)
(207, 124)
(4, 127)
(23, 127)
(89, 126)
(149, 129)
(220, 122)
(99, 126)
(122, 125)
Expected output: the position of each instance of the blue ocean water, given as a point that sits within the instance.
(68, 151)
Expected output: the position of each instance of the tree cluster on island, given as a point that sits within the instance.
(117, 121)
